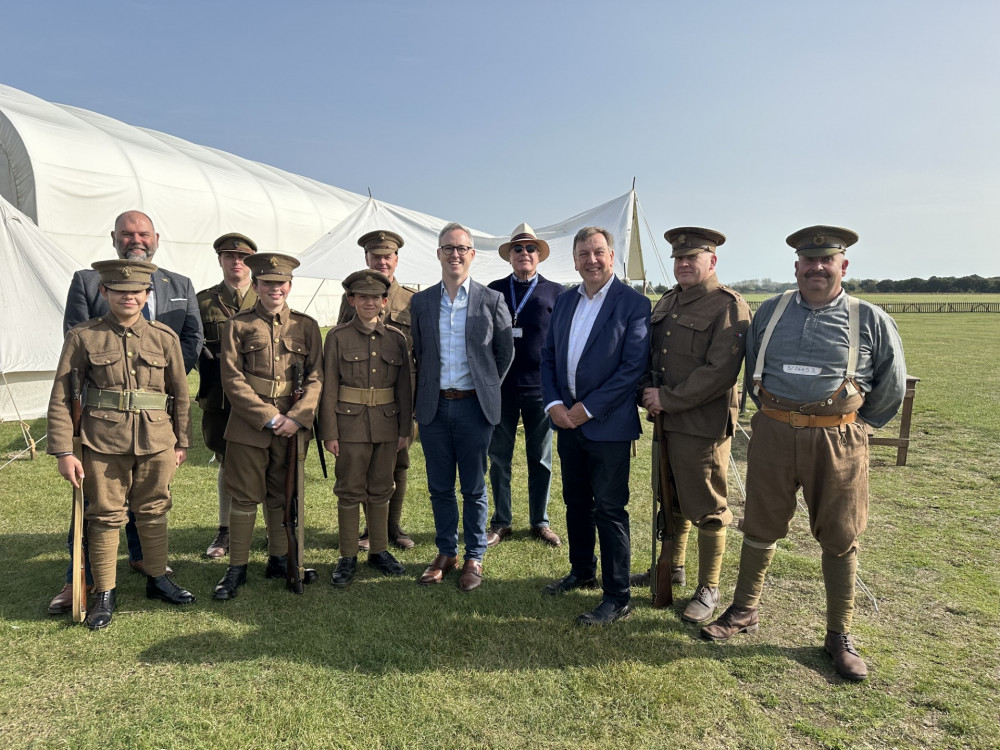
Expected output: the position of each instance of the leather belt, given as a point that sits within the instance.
(366, 396)
(269, 388)
(132, 400)
(453, 393)
(798, 419)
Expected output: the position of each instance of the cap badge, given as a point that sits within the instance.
(818, 239)
(274, 262)
(126, 272)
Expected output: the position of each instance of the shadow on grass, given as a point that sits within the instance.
(380, 625)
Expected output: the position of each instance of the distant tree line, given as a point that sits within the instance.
(974, 284)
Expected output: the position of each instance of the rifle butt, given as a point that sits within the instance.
(663, 596)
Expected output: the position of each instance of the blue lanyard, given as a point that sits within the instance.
(513, 299)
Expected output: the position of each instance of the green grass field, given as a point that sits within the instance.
(389, 664)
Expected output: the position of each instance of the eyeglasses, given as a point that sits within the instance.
(524, 248)
(461, 250)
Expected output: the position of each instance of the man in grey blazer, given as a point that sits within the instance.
(172, 301)
(463, 345)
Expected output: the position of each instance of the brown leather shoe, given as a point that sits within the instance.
(400, 539)
(363, 543)
(496, 534)
(702, 605)
(546, 534)
(734, 620)
(846, 660)
(139, 567)
(472, 576)
(62, 603)
(438, 567)
(220, 545)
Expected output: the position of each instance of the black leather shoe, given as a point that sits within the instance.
(344, 573)
(385, 563)
(605, 613)
(277, 566)
(569, 583)
(164, 589)
(99, 615)
(236, 576)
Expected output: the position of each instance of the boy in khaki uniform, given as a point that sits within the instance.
(365, 418)
(217, 305)
(259, 348)
(135, 429)
(382, 254)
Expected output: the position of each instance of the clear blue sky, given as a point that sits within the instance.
(755, 119)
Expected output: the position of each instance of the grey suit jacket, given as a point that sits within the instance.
(489, 345)
(176, 307)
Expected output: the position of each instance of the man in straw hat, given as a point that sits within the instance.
(261, 350)
(382, 254)
(529, 297)
(218, 304)
(135, 429)
(823, 368)
(697, 343)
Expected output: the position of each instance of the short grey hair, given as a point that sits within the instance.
(451, 226)
(588, 232)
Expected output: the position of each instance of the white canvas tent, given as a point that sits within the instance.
(71, 172)
(36, 275)
(336, 254)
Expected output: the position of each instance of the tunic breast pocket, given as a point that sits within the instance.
(689, 336)
(253, 351)
(392, 361)
(149, 374)
(106, 369)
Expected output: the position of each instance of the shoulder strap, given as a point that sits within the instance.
(779, 310)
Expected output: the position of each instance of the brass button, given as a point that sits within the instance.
(674, 316)
(276, 339)
(132, 372)
(373, 369)
(128, 335)
(128, 354)
(373, 354)
(668, 333)
(664, 351)
(277, 358)
(277, 377)
(373, 337)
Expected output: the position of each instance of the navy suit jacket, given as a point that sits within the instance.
(489, 345)
(176, 307)
(615, 356)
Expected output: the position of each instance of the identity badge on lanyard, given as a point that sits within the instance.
(517, 331)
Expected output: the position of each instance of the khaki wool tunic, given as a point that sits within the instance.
(216, 305)
(146, 356)
(697, 342)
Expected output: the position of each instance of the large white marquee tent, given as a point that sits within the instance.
(68, 172)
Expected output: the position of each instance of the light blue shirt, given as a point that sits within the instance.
(455, 370)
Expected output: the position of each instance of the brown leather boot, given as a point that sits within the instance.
(736, 619)
(846, 660)
(62, 603)
(702, 605)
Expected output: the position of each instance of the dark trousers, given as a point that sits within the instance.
(538, 449)
(595, 489)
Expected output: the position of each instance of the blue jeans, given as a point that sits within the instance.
(538, 449)
(458, 436)
(595, 478)
(131, 537)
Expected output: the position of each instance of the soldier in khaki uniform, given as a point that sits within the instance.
(823, 368)
(697, 345)
(259, 348)
(366, 418)
(382, 255)
(135, 429)
(217, 305)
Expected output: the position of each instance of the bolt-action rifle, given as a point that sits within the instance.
(78, 563)
(663, 517)
(295, 573)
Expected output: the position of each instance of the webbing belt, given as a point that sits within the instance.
(367, 396)
(125, 400)
(269, 388)
(798, 419)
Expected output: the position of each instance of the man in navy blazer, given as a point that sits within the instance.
(596, 350)
(172, 301)
(463, 345)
